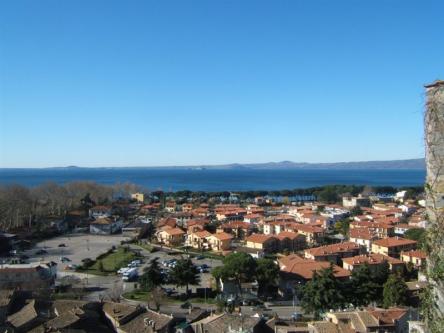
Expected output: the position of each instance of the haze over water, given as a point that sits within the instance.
(214, 179)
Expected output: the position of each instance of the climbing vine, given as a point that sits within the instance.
(433, 297)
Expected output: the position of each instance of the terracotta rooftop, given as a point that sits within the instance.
(415, 254)
(222, 236)
(371, 259)
(258, 238)
(333, 249)
(394, 241)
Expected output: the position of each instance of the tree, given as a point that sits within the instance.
(240, 267)
(395, 291)
(342, 226)
(147, 231)
(355, 211)
(152, 276)
(100, 264)
(185, 273)
(155, 298)
(267, 272)
(417, 234)
(321, 293)
(363, 289)
(328, 195)
(379, 275)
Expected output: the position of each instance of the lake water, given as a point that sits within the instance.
(215, 180)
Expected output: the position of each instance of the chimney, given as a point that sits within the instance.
(434, 141)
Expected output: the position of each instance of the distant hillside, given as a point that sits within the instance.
(418, 163)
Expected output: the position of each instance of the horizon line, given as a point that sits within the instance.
(209, 165)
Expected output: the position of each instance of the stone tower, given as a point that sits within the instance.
(434, 140)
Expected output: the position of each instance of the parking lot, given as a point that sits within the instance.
(76, 247)
(164, 255)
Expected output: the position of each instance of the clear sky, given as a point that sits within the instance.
(140, 83)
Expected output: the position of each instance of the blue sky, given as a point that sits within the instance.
(138, 83)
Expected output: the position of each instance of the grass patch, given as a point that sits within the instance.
(136, 295)
(110, 262)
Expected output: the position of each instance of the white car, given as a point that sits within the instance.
(122, 270)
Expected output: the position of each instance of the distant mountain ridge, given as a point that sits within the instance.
(409, 164)
(412, 164)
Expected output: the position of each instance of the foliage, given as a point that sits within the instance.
(363, 289)
(240, 267)
(322, 292)
(417, 234)
(147, 231)
(355, 211)
(185, 273)
(267, 272)
(151, 276)
(342, 226)
(395, 291)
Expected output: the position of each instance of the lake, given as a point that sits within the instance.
(215, 179)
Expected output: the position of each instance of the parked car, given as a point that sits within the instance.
(122, 270)
(62, 245)
(130, 274)
(65, 259)
(40, 252)
(70, 267)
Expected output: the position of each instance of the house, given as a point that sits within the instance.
(253, 218)
(170, 206)
(7, 297)
(291, 241)
(99, 211)
(393, 246)
(148, 321)
(31, 276)
(170, 236)
(167, 221)
(237, 228)
(416, 257)
(381, 230)
(373, 260)
(363, 237)
(220, 241)
(119, 314)
(393, 320)
(226, 322)
(266, 243)
(133, 229)
(401, 228)
(360, 201)
(314, 235)
(198, 240)
(26, 318)
(105, 225)
(334, 252)
(295, 270)
(139, 197)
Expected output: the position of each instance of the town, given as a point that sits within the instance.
(330, 259)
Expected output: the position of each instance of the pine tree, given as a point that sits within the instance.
(395, 291)
(152, 276)
(322, 292)
(185, 273)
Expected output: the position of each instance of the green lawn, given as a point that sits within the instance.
(109, 263)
